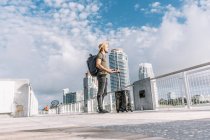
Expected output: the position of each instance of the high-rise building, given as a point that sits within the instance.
(90, 86)
(72, 97)
(119, 60)
(145, 71)
(65, 91)
(90, 89)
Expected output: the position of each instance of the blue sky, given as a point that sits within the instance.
(134, 13)
(48, 41)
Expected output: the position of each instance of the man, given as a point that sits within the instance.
(101, 64)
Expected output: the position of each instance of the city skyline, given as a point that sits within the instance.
(48, 41)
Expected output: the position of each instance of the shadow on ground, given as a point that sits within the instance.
(90, 132)
(177, 130)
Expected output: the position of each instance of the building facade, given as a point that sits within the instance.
(119, 60)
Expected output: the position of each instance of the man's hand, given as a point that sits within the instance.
(117, 71)
(114, 71)
(110, 71)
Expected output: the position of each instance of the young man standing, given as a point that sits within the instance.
(101, 64)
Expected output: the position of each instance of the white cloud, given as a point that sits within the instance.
(155, 11)
(52, 51)
(136, 7)
(83, 16)
(109, 24)
(94, 8)
(156, 7)
(49, 2)
(73, 6)
(80, 7)
(180, 41)
(153, 8)
(58, 2)
(155, 4)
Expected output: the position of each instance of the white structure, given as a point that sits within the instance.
(119, 60)
(17, 98)
(145, 71)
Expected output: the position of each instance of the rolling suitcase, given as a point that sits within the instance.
(123, 100)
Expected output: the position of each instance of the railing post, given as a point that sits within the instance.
(88, 106)
(60, 109)
(186, 87)
(110, 97)
(155, 93)
(57, 110)
(75, 107)
(92, 105)
(68, 108)
(64, 108)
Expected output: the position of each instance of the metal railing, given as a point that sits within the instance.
(77, 107)
(183, 88)
(91, 107)
(188, 87)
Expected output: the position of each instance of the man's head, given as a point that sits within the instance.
(104, 46)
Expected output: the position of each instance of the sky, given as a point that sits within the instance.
(48, 41)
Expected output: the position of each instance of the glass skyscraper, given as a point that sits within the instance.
(72, 97)
(119, 60)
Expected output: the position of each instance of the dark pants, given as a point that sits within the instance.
(102, 90)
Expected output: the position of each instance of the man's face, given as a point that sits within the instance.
(106, 48)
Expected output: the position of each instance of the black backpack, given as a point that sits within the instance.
(91, 63)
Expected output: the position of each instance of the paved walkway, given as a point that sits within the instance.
(146, 125)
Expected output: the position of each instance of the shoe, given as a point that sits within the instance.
(103, 111)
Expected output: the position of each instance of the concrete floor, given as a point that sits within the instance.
(145, 125)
